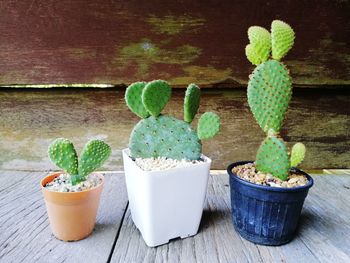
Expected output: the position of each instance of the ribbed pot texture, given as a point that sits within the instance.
(263, 214)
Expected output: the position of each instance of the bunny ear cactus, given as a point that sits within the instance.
(62, 153)
(258, 51)
(269, 92)
(208, 125)
(272, 157)
(282, 37)
(133, 97)
(158, 135)
(191, 102)
(93, 156)
(298, 154)
(155, 96)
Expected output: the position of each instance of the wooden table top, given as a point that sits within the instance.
(25, 236)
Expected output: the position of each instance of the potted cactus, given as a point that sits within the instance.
(166, 172)
(267, 195)
(72, 196)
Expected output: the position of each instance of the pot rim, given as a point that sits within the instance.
(56, 174)
(206, 160)
(270, 188)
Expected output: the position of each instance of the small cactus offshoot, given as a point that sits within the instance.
(158, 135)
(297, 155)
(62, 153)
(269, 92)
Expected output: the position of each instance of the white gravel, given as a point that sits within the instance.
(63, 183)
(162, 163)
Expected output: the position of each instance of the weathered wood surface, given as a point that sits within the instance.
(115, 42)
(25, 235)
(31, 119)
(324, 235)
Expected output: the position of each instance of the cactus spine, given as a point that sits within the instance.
(62, 153)
(158, 135)
(269, 92)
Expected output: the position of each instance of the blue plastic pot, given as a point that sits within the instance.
(263, 214)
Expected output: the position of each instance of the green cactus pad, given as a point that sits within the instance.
(298, 154)
(252, 55)
(164, 136)
(273, 158)
(260, 45)
(155, 96)
(208, 125)
(269, 93)
(94, 154)
(62, 153)
(282, 38)
(191, 102)
(133, 98)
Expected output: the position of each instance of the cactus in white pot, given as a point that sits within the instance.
(155, 195)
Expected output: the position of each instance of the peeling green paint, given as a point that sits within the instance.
(317, 69)
(146, 53)
(81, 53)
(173, 25)
(202, 75)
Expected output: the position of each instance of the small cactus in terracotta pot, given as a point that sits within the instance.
(72, 196)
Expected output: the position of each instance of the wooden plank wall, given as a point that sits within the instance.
(30, 119)
(115, 42)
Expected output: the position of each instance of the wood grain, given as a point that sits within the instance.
(31, 119)
(118, 42)
(322, 237)
(24, 227)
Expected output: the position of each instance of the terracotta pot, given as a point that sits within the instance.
(72, 215)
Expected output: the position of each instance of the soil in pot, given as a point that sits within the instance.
(249, 173)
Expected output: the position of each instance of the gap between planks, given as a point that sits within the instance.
(323, 235)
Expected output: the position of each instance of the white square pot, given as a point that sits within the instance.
(166, 204)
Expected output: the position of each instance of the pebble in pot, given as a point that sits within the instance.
(72, 197)
(262, 213)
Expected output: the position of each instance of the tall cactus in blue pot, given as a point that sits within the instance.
(262, 212)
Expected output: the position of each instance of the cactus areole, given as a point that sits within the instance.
(158, 135)
(62, 153)
(269, 92)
